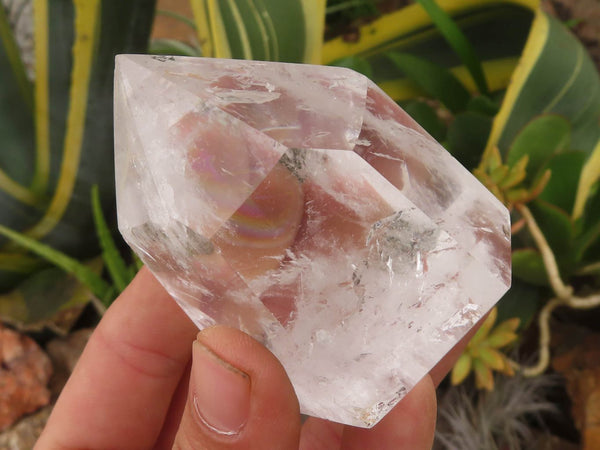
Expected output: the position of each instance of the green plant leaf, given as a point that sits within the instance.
(590, 259)
(491, 357)
(510, 325)
(118, 270)
(75, 45)
(356, 63)
(588, 240)
(558, 229)
(561, 190)
(549, 81)
(467, 136)
(426, 116)
(540, 139)
(522, 299)
(588, 181)
(587, 245)
(410, 30)
(484, 330)
(269, 30)
(501, 339)
(19, 204)
(461, 369)
(592, 207)
(85, 275)
(458, 41)
(516, 174)
(555, 76)
(436, 81)
(528, 266)
(50, 299)
(483, 375)
(483, 105)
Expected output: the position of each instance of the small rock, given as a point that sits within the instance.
(24, 434)
(24, 373)
(580, 365)
(64, 353)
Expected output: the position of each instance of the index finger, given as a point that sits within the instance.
(122, 385)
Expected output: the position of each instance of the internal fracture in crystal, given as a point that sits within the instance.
(301, 205)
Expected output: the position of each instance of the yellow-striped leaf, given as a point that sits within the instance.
(267, 30)
(44, 188)
(18, 204)
(410, 30)
(555, 76)
(539, 140)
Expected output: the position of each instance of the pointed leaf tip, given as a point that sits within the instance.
(461, 369)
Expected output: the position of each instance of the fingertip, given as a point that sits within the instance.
(220, 392)
(239, 395)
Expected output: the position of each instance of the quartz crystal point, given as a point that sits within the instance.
(301, 205)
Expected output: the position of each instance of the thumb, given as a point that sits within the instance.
(239, 396)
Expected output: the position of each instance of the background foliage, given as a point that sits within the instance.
(56, 135)
(505, 87)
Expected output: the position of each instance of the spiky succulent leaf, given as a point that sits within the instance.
(484, 379)
(461, 369)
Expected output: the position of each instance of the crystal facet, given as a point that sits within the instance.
(301, 205)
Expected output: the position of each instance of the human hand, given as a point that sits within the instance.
(141, 383)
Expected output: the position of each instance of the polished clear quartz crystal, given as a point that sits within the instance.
(301, 205)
